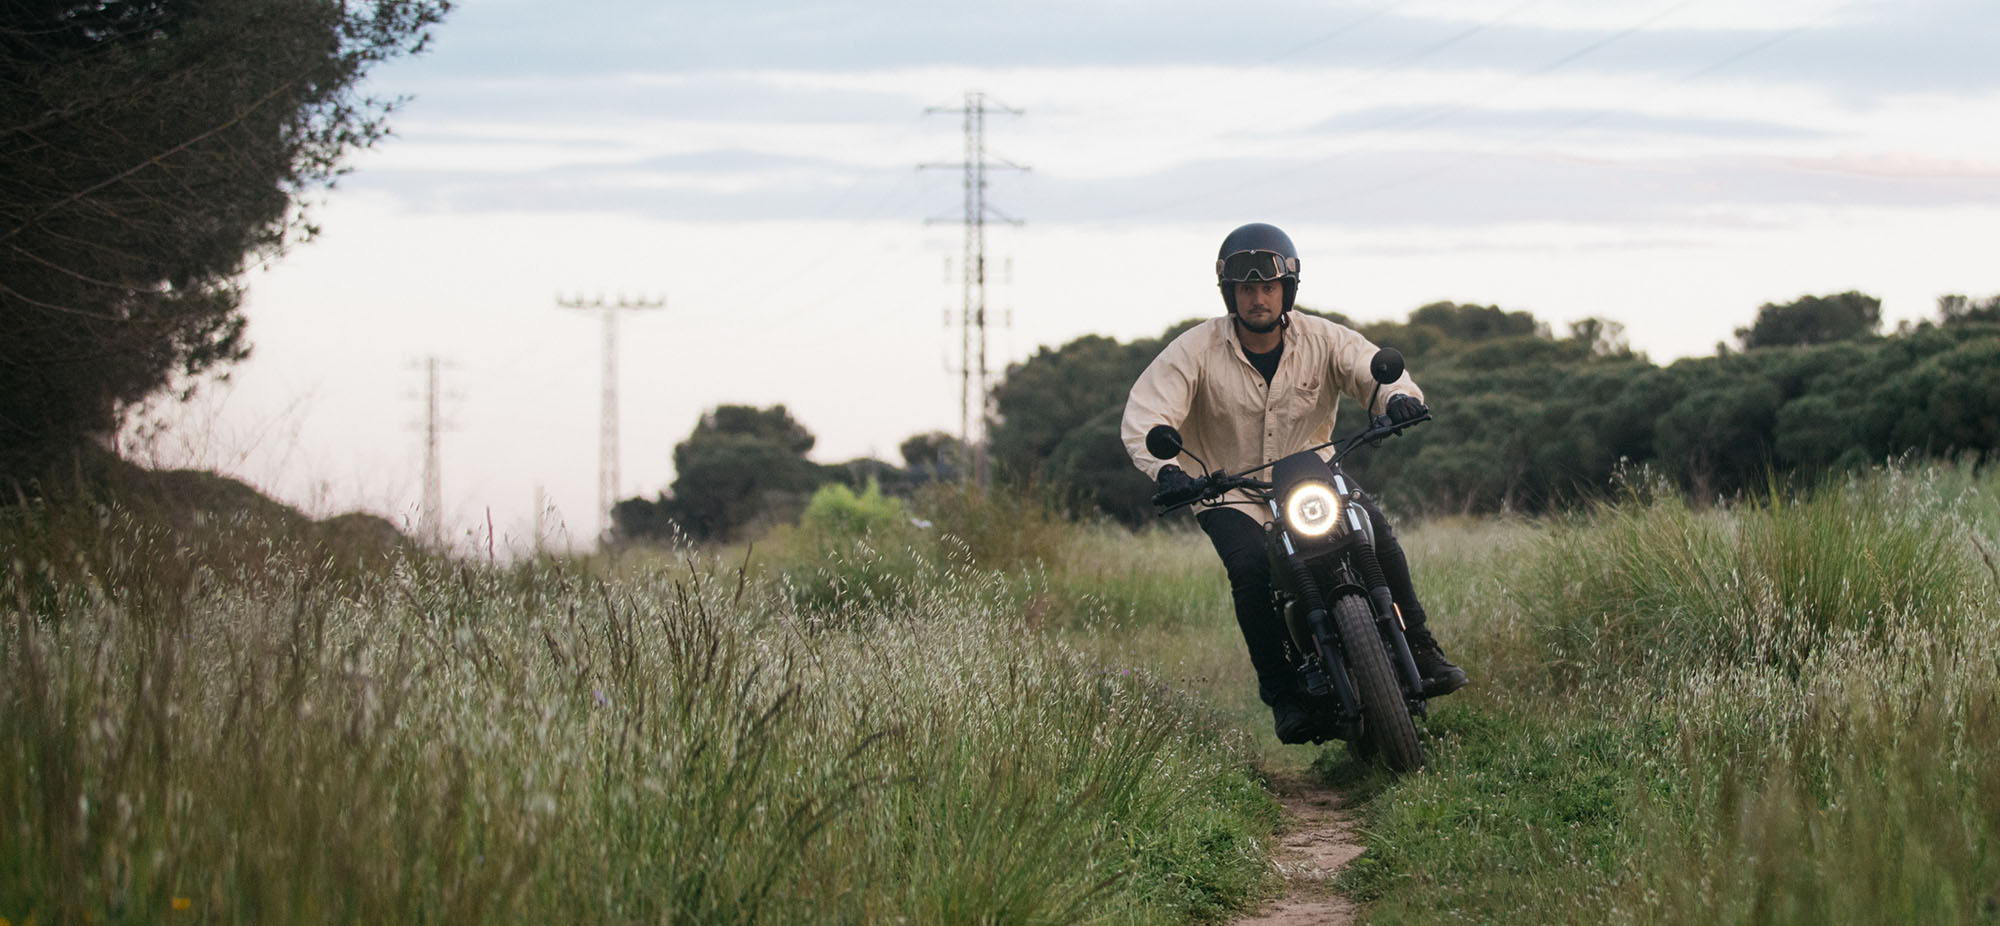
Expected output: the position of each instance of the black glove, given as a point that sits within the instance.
(1175, 487)
(1404, 408)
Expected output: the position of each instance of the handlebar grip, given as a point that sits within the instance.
(1174, 498)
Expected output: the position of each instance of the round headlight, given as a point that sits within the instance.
(1312, 509)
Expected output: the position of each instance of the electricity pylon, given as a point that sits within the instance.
(607, 427)
(972, 317)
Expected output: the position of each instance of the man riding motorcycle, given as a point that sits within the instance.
(1245, 389)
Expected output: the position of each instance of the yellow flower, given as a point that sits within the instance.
(183, 904)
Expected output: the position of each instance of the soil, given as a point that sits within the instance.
(1316, 841)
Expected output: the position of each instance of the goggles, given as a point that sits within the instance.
(1243, 266)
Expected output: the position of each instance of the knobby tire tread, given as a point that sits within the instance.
(1389, 723)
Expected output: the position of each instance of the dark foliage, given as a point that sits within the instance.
(1813, 320)
(1527, 421)
(1957, 308)
(741, 470)
(150, 149)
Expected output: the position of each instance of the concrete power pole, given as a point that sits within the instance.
(607, 428)
(972, 318)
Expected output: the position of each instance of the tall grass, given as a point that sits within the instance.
(1659, 587)
(1786, 711)
(666, 739)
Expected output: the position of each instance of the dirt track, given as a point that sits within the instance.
(1316, 841)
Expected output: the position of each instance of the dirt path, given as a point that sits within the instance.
(1316, 841)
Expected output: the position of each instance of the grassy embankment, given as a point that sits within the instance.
(214, 721)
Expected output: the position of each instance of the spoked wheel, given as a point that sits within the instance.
(1390, 729)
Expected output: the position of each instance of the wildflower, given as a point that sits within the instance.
(183, 904)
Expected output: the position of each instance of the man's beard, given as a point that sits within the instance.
(1265, 328)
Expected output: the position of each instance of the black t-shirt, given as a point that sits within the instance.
(1267, 363)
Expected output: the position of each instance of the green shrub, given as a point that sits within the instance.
(835, 510)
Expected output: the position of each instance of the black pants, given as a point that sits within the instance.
(1239, 540)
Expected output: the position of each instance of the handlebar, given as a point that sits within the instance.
(1378, 430)
(1217, 484)
(1207, 488)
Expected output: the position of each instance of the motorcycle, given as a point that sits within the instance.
(1355, 674)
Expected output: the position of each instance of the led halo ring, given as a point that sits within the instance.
(1311, 509)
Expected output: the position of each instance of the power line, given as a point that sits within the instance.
(972, 315)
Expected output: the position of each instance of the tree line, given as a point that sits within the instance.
(1530, 421)
(1527, 420)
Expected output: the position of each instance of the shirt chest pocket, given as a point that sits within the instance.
(1306, 395)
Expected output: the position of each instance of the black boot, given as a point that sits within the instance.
(1440, 676)
(1293, 724)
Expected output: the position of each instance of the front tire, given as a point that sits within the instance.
(1390, 729)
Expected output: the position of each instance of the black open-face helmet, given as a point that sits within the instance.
(1257, 252)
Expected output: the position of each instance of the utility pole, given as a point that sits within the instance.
(972, 316)
(430, 513)
(607, 427)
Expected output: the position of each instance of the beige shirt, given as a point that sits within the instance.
(1204, 386)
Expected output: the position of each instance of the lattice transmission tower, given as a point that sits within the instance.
(607, 427)
(430, 511)
(972, 316)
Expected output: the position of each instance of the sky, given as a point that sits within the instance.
(1668, 164)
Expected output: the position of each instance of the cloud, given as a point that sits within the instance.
(1599, 122)
(795, 110)
(1861, 51)
(598, 97)
(1390, 189)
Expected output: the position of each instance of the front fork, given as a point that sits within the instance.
(1388, 622)
(1324, 670)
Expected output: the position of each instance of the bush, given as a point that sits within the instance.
(836, 511)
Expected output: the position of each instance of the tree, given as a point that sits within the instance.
(774, 425)
(1091, 467)
(1947, 404)
(933, 456)
(1718, 438)
(1956, 308)
(1054, 392)
(1602, 337)
(728, 486)
(1813, 432)
(1813, 320)
(741, 468)
(150, 148)
(1477, 322)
